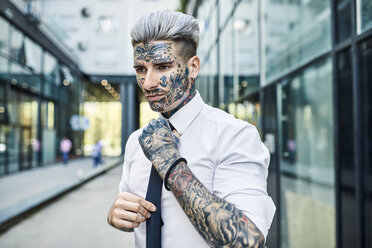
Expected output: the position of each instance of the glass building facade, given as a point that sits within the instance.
(38, 95)
(301, 72)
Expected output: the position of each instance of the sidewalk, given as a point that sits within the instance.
(23, 192)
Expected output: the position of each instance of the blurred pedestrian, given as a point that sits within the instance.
(65, 147)
(96, 153)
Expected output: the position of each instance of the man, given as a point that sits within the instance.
(214, 165)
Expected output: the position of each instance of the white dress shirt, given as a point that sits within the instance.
(224, 153)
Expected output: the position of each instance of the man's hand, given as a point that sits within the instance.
(129, 211)
(159, 145)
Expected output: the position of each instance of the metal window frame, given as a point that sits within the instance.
(351, 43)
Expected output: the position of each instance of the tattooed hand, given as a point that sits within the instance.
(159, 145)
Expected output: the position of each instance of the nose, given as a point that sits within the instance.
(151, 81)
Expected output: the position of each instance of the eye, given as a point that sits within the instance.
(163, 67)
(140, 70)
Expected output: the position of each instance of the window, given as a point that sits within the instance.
(33, 55)
(17, 46)
(50, 115)
(4, 68)
(246, 35)
(343, 19)
(226, 71)
(364, 15)
(51, 69)
(296, 32)
(107, 24)
(4, 36)
(307, 159)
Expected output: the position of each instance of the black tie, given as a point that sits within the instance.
(153, 225)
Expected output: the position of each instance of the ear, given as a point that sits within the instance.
(194, 66)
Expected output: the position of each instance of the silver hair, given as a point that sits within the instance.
(166, 25)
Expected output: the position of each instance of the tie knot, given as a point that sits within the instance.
(174, 131)
(171, 126)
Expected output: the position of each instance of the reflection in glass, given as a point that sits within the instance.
(364, 15)
(225, 10)
(4, 36)
(13, 107)
(35, 143)
(13, 149)
(307, 159)
(246, 51)
(248, 110)
(33, 54)
(3, 148)
(343, 19)
(43, 114)
(208, 81)
(26, 110)
(253, 112)
(226, 87)
(51, 71)
(22, 76)
(3, 68)
(17, 46)
(50, 115)
(212, 79)
(296, 32)
(26, 148)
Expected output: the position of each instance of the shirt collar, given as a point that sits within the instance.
(182, 119)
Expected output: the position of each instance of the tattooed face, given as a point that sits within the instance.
(162, 75)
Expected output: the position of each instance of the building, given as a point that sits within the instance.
(57, 63)
(300, 70)
(98, 33)
(40, 89)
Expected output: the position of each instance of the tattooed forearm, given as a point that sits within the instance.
(219, 222)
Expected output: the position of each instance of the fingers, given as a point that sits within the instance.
(158, 123)
(154, 125)
(127, 215)
(134, 207)
(163, 122)
(139, 200)
(124, 224)
(129, 211)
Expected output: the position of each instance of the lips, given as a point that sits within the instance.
(154, 97)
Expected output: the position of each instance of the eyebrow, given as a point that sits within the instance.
(138, 65)
(160, 62)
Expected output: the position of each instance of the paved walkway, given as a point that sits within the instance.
(24, 191)
(75, 220)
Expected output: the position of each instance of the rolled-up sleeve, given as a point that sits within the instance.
(240, 177)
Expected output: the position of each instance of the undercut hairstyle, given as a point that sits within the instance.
(167, 25)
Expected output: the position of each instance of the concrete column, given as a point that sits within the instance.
(129, 115)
